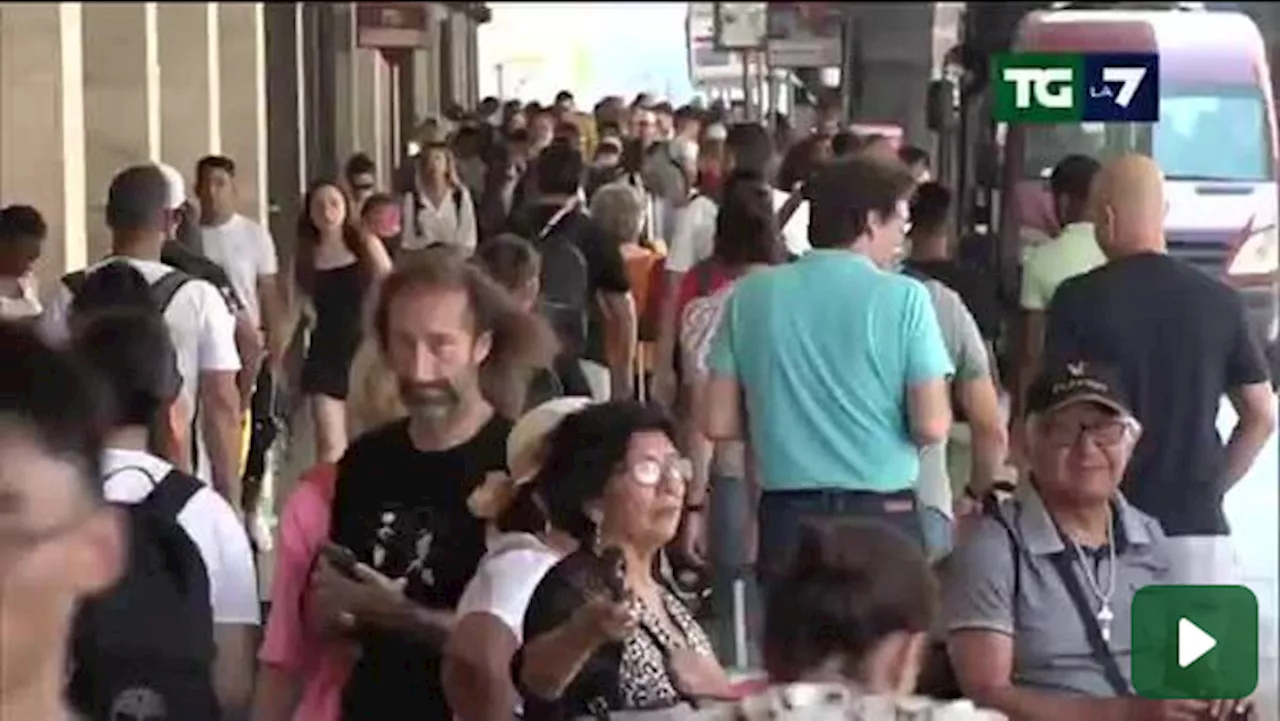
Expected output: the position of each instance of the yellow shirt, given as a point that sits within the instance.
(1074, 252)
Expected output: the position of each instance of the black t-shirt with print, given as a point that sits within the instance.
(1179, 339)
(404, 512)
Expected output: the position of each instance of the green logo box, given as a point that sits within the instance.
(1225, 617)
(1039, 88)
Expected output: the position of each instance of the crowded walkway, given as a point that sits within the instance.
(598, 413)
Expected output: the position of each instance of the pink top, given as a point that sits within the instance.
(289, 644)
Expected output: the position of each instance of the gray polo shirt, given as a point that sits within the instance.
(1051, 649)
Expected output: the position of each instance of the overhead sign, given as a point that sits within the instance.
(805, 35)
(708, 63)
(393, 25)
(741, 26)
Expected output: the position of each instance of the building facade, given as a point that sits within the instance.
(89, 88)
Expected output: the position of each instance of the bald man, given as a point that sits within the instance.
(1180, 341)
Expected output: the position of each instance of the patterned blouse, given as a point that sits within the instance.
(627, 676)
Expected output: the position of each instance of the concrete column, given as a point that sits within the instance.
(121, 101)
(473, 64)
(190, 83)
(286, 122)
(242, 41)
(426, 100)
(42, 129)
(372, 111)
(459, 28)
(345, 92)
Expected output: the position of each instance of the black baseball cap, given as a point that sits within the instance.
(1079, 381)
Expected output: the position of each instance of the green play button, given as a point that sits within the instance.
(1195, 642)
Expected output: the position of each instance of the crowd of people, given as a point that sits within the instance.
(608, 408)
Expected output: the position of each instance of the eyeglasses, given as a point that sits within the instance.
(1107, 434)
(651, 471)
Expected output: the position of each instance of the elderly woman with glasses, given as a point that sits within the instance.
(602, 631)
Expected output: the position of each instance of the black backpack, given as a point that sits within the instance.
(162, 291)
(145, 648)
(566, 283)
(162, 294)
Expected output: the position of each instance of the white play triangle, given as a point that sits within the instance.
(1193, 643)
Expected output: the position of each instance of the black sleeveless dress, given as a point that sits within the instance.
(339, 302)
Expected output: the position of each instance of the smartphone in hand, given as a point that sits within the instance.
(614, 566)
(340, 557)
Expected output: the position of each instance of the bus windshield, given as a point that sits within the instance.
(1214, 135)
(1210, 133)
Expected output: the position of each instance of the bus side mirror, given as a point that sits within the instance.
(940, 106)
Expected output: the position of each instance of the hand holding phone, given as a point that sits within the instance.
(614, 567)
(343, 559)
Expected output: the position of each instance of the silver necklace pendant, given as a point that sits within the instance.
(1105, 617)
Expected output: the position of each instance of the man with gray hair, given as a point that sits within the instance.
(618, 209)
(1039, 593)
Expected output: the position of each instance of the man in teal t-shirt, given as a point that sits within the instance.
(834, 369)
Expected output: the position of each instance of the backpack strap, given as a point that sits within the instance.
(791, 205)
(171, 494)
(555, 219)
(134, 469)
(163, 290)
(74, 281)
(418, 206)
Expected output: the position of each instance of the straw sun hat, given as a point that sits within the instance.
(525, 446)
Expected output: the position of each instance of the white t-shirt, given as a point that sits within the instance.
(23, 303)
(795, 234)
(201, 327)
(208, 520)
(694, 237)
(246, 251)
(506, 578)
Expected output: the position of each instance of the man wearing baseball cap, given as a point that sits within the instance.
(182, 246)
(1052, 571)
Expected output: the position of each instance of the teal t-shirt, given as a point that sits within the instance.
(825, 349)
